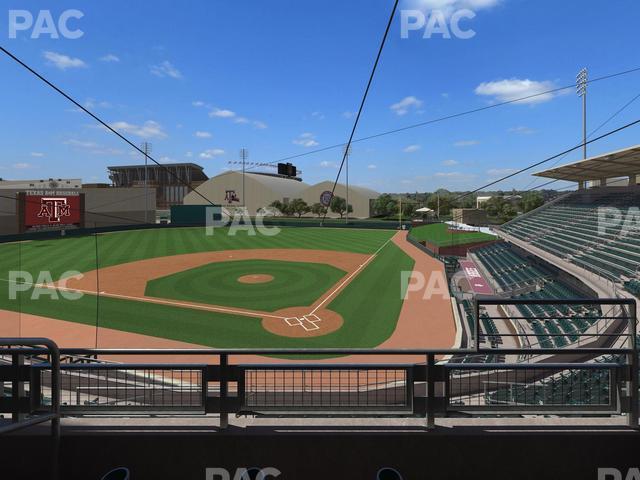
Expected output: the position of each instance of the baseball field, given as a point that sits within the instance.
(304, 287)
(439, 234)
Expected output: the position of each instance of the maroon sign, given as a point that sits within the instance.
(476, 280)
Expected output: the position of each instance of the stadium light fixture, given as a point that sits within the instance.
(582, 80)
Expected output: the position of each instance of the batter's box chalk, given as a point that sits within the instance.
(310, 326)
(293, 321)
(312, 317)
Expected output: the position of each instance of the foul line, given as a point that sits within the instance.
(196, 306)
(348, 279)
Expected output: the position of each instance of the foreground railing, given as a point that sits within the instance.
(227, 385)
(598, 377)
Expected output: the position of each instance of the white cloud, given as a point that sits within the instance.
(405, 105)
(318, 115)
(466, 143)
(37, 154)
(448, 7)
(498, 172)
(521, 130)
(81, 144)
(411, 149)
(372, 167)
(216, 112)
(92, 147)
(450, 163)
(149, 129)
(110, 58)
(92, 103)
(348, 114)
(188, 154)
(326, 164)
(63, 62)
(222, 113)
(454, 176)
(211, 153)
(306, 140)
(514, 88)
(22, 166)
(201, 134)
(165, 69)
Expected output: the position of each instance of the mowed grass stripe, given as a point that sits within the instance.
(294, 284)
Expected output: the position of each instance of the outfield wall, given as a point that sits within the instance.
(455, 250)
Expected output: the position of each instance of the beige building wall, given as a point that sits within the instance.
(359, 197)
(262, 190)
(259, 191)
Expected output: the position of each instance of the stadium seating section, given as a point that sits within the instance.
(570, 230)
(508, 269)
(554, 326)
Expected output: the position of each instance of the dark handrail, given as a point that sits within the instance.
(54, 352)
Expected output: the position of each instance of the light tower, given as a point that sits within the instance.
(146, 148)
(347, 152)
(244, 154)
(581, 87)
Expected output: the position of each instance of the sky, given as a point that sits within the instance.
(202, 79)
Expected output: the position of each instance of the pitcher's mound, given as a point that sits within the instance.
(257, 278)
(298, 322)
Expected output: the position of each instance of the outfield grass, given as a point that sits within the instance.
(439, 234)
(369, 305)
(84, 253)
(294, 284)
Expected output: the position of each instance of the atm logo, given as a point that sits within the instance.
(54, 209)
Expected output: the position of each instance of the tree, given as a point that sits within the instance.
(494, 206)
(385, 205)
(318, 209)
(446, 201)
(279, 206)
(408, 209)
(531, 201)
(298, 207)
(339, 205)
(508, 212)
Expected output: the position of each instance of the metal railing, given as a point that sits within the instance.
(588, 380)
(18, 373)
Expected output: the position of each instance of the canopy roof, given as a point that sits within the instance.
(620, 163)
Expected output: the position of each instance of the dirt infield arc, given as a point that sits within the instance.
(129, 281)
